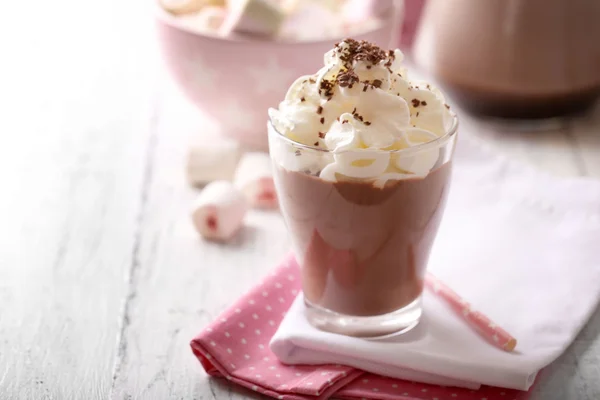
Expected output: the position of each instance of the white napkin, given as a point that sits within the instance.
(521, 246)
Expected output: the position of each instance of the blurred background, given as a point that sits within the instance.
(523, 66)
(523, 63)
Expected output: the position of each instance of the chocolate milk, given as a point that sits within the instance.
(517, 58)
(364, 248)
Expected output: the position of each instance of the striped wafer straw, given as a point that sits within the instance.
(482, 324)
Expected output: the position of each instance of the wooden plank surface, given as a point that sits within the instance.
(183, 282)
(549, 149)
(74, 130)
(584, 136)
(574, 375)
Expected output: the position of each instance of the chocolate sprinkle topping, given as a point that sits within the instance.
(367, 123)
(447, 106)
(321, 135)
(357, 115)
(423, 103)
(347, 78)
(322, 120)
(319, 110)
(302, 99)
(415, 102)
(360, 51)
(350, 52)
(317, 144)
(326, 88)
(297, 152)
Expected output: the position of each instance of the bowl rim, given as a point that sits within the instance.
(388, 21)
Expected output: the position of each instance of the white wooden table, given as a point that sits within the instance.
(103, 281)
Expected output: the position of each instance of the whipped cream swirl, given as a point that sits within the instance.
(359, 106)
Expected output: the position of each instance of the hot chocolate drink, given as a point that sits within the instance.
(364, 249)
(362, 159)
(515, 59)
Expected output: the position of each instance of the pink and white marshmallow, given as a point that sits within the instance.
(311, 21)
(219, 211)
(208, 20)
(254, 17)
(357, 11)
(254, 177)
(181, 7)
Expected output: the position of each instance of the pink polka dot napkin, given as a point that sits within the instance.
(236, 346)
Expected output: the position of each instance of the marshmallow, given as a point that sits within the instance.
(357, 11)
(181, 7)
(219, 211)
(256, 17)
(207, 20)
(311, 21)
(254, 177)
(216, 160)
(289, 6)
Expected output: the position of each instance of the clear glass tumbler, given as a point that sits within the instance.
(362, 243)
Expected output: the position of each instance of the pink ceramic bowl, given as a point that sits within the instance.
(235, 80)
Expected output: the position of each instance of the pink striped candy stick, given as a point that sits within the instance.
(482, 324)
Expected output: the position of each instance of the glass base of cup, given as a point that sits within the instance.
(393, 323)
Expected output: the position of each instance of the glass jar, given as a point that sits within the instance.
(513, 58)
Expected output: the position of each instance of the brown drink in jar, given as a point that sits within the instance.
(524, 59)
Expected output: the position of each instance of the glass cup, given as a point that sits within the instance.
(362, 243)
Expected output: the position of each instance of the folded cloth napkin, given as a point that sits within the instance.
(520, 246)
(235, 346)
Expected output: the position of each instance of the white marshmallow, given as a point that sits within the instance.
(254, 177)
(181, 7)
(215, 160)
(219, 211)
(311, 21)
(357, 11)
(289, 6)
(207, 20)
(255, 17)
